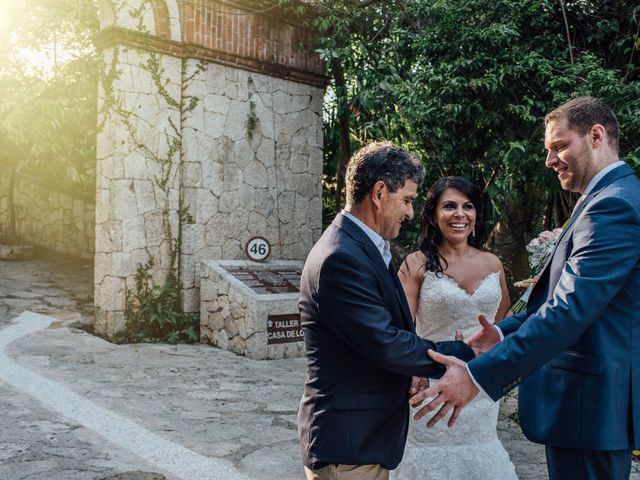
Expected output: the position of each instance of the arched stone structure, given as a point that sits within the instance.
(211, 133)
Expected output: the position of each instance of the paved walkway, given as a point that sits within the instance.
(76, 407)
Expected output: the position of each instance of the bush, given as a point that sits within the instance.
(153, 312)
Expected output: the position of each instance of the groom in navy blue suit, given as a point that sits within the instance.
(359, 335)
(575, 351)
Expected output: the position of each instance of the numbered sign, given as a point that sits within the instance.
(258, 249)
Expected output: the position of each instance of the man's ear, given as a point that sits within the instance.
(597, 135)
(378, 192)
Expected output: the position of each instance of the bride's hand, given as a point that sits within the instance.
(486, 338)
(417, 385)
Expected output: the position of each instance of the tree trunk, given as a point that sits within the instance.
(344, 118)
(510, 236)
(10, 235)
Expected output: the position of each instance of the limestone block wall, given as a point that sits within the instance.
(50, 218)
(211, 134)
(137, 175)
(252, 166)
(234, 317)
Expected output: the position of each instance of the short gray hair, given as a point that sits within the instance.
(380, 161)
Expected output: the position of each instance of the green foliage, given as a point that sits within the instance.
(48, 107)
(467, 84)
(153, 312)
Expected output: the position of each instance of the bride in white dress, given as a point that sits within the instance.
(448, 282)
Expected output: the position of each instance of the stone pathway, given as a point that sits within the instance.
(220, 407)
(117, 429)
(58, 286)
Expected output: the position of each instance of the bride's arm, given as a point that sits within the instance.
(505, 303)
(411, 279)
(411, 282)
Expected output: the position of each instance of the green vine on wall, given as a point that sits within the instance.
(138, 13)
(153, 311)
(252, 118)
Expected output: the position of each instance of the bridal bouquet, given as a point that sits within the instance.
(539, 249)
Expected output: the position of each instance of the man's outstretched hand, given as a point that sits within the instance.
(454, 390)
(486, 338)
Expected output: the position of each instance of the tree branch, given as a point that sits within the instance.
(566, 26)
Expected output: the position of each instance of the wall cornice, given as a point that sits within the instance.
(112, 36)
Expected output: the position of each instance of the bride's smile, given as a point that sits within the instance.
(456, 215)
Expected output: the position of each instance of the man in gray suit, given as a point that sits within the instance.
(575, 351)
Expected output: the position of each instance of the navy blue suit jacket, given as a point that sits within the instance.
(576, 348)
(361, 353)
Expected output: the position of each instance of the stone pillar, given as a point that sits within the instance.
(212, 110)
(138, 163)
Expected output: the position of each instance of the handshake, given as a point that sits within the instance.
(456, 388)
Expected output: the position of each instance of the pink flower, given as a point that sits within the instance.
(534, 243)
(546, 235)
(540, 248)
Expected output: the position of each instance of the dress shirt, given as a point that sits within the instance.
(383, 246)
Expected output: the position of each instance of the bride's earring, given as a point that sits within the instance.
(473, 232)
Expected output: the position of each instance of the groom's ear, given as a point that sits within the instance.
(378, 191)
(597, 135)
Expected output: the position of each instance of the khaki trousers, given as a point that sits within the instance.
(348, 472)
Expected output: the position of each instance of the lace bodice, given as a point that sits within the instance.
(444, 306)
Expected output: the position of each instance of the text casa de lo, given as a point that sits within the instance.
(284, 329)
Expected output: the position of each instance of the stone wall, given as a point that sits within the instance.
(49, 218)
(137, 175)
(235, 317)
(252, 166)
(212, 134)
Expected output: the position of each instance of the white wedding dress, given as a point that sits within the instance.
(470, 449)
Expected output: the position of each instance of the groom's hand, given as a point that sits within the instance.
(486, 338)
(454, 390)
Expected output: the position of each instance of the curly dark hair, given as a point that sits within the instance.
(381, 160)
(430, 232)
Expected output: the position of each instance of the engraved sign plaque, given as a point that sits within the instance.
(269, 281)
(284, 329)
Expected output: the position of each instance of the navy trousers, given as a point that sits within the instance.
(578, 464)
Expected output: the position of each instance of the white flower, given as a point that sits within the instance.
(540, 248)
